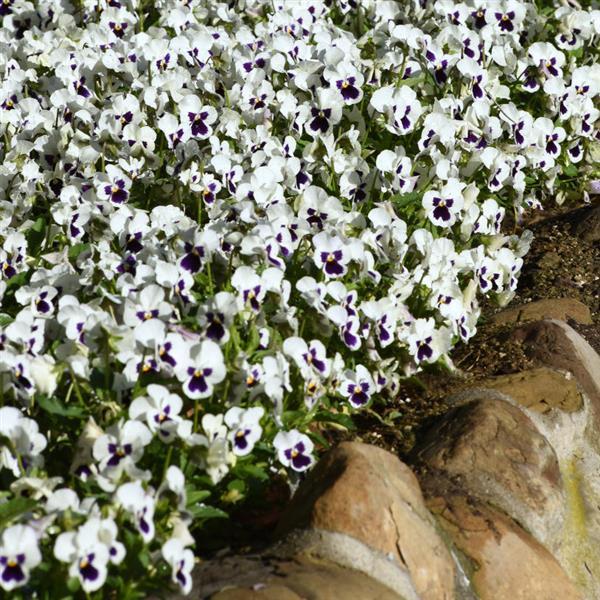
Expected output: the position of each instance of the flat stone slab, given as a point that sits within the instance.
(557, 345)
(540, 390)
(562, 309)
(305, 579)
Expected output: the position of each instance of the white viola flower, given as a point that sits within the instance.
(357, 386)
(549, 137)
(199, 246)
(196, 117)
(547, 58)
(121, 447)
(139, 503)
(508, 17)
(217, 458)
(173, 351)
(426, 342)
(344, 76)
(489, 275)
(174, 481)
(445, 205)
(400, 167)
(276, 379)
(317, 207)
(44, 374)
(19, 554)
(401, 107)
(146, 311)
(439, 63)
(203, 370)
(217, 315)
(86, 554)
(311, 357)
(385, 315)
(491, 218)
(294, 449)
(324, 113)
(61, 500)
(245, 429)
(312, 292)
(250, 286)
(114, 185)
(41, 300)
(172, 129)
(331, 254)
(448, 300)
(107, 534)
(160, 410)
(26, 440)
(478, 76)
(181, 561)
(140, 139)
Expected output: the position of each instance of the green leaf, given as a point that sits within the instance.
(54, 406)
(37, 233)
(237, 484)
(77, 249)
(202, 511)
(39, 225)
(317, 437)
(401, 200)
(144, 558)
(339, 418)
(18, 280)
(196, 496)
(5, 319)
(251, 471)
(570, 171)
(14, 508)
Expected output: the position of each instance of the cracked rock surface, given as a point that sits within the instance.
(369, 494)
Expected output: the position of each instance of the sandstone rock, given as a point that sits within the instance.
(540, 389)
(367, 493)
(562, 309)
(305, 579)
(588, 227)
(505, 562)
(262, 592)
(493, 450)
(556, 344)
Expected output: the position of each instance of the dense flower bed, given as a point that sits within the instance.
(222, 224)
